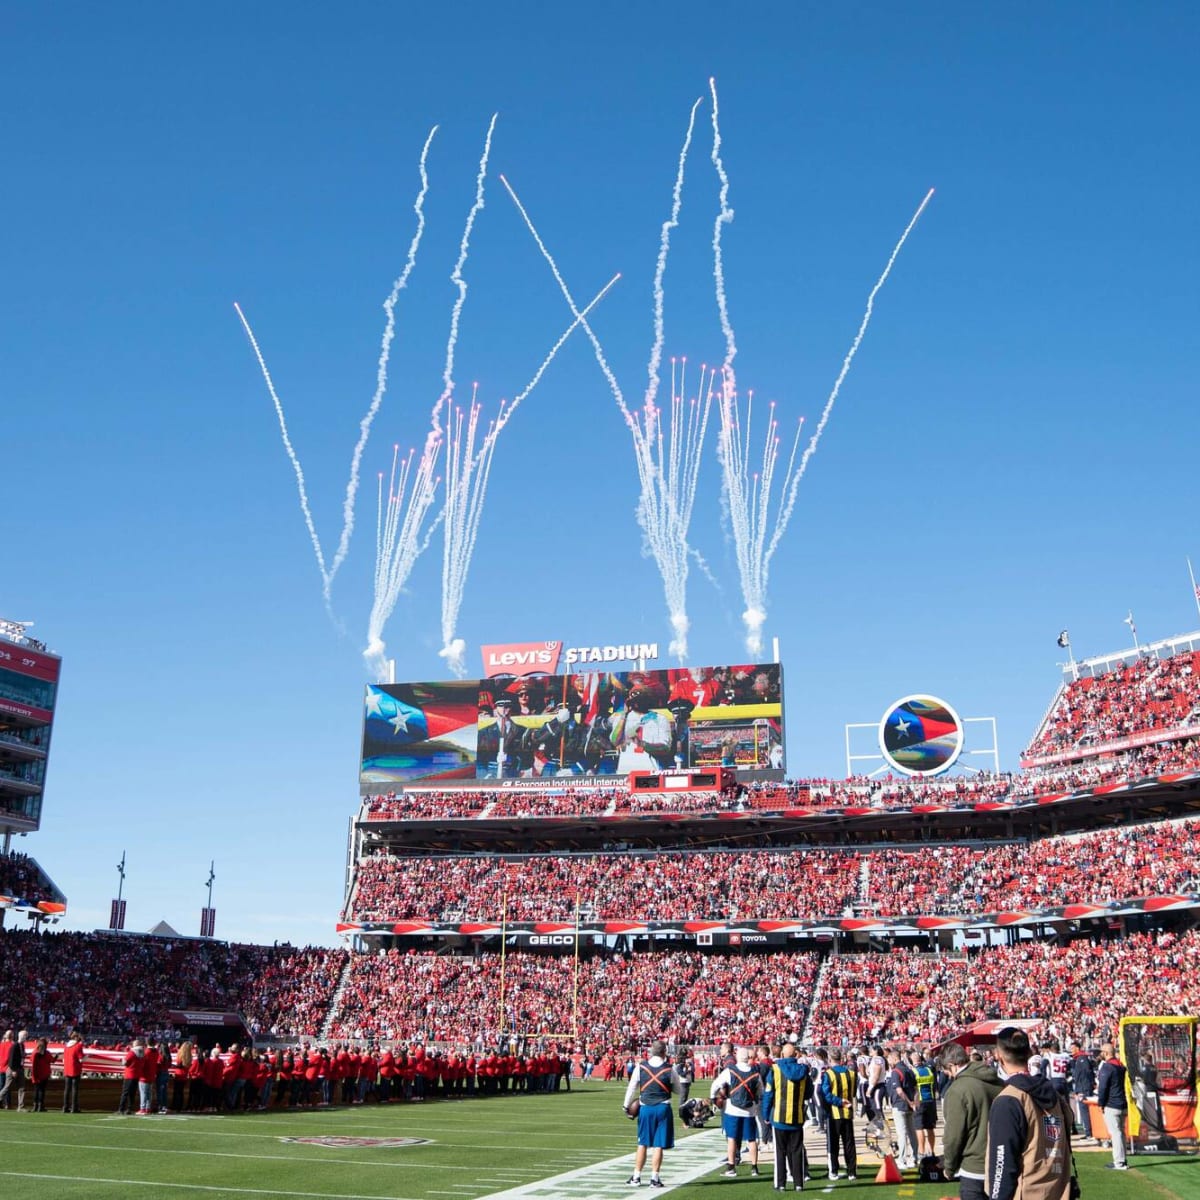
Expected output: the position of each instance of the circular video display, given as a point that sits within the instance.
(921, 735)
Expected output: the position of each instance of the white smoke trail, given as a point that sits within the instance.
(381, 373)
(666, 496)
(326, 577)
(399, 541)
(456, 278)
(724, 217)
(660, 270)
(467, 476)
(506, 411)
(810, 449)
(404, 537)
(747, 495)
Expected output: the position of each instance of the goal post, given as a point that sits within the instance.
(1159, 1055)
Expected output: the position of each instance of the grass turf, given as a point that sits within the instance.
(473, 1149)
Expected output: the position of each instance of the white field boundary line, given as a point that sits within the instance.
(201, 1187)
(324, 1160)
(168, 1124)
(692, 1157)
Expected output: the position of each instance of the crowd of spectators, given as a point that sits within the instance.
(1079, 990)
(686, 996)
(112, 984)
(750, 884)
(607, 999)
(747, 998)
(437, 998)
(879, 792)
(22, 879)
(1154, 859)
(1148, 694)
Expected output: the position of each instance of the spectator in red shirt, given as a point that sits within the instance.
(147, 1077)
(39, 1072)
(72, 1071)
(130, 1070)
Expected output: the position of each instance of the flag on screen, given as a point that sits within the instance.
(1064, 640)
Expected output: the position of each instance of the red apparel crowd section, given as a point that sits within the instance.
(1080, 990)
(1156, 859)
(1149, 694)
(887, 792)
(665, 886)
(114, 985)
(623, 1000)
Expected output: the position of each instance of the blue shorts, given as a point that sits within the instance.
(741, 1129)
(656, 1126)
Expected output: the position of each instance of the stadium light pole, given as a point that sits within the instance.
(1133, 629)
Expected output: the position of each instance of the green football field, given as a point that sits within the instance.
(569, 1145)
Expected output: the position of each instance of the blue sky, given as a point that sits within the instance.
(1012, 454)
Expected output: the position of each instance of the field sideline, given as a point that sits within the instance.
(512, 1146)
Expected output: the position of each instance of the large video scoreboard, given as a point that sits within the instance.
(594, 724)
(29, 678)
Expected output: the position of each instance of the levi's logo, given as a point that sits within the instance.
(521, 658)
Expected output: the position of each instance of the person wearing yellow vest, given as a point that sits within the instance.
(925, 1117)
(839, 1085)
(787, 1091)
(1029, 1130)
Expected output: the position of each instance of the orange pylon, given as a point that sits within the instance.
(889, 1172)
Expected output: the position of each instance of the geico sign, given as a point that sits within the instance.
(551, 939)
(607, 654)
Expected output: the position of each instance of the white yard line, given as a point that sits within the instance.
(199, 1187)
(692, 1157)
(325, 1160)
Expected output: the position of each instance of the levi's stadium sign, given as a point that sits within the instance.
(521, 658)
(541, 658)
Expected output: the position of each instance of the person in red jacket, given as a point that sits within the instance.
(130, 1069)
(72, 1071)
(39, 1072)
(147, 1077)
(214, 1075)
(387, 1072)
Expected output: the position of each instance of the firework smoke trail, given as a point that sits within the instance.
(466, 485)
(724, 217)
(506, 411)
(412, 488)
(677, 462)
(326, 576)
(810, 449)
(403, 537)
(381, 374)
(657, 511)
(748, 495)
(467, 475)
(456, 278)
(672, 222)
